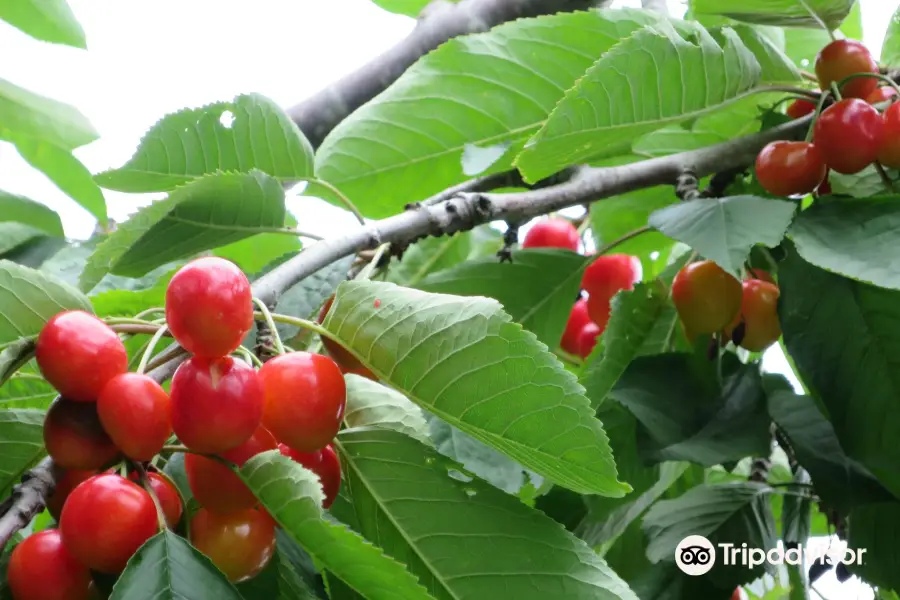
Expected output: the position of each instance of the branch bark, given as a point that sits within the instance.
(27, 499)
(318, 115)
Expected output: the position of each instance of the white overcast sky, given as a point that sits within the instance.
(146, 58)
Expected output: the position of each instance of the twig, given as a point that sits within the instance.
(28, 499)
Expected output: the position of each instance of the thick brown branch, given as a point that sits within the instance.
(27, 499)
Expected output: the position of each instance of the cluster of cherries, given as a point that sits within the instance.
(603, 279)
(219, 407)
(847, 136)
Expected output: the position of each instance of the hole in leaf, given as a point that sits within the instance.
(226, 119)
(470, 492)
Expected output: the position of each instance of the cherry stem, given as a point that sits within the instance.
(162, 358)
(134, 328)
(341, 197)
(150, 311)
(836, 90)
(145, 482)
(249, 357)
(623, 239)
(885, 178)
(136, 320)
(366, 272)
(145, 358)
(877, 76)
(823, 98)
(270, 323)
(176, 448)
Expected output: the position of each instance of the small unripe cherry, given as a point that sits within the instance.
(324, 463)
(788, 168)
(42, 568)
(217, 404)
(578, 318)
(706, 297)
(759, 315)
(848, 135)
(239, 543)
(842, 58)
(75, 438)
(78, 354)
(552, 233)
(136, 413)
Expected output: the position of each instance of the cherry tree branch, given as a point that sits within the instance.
(27, 499)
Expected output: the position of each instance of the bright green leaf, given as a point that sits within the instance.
(656, 77)
(212, 211)
(423, 510)
(248, 133)
(46, 20)
(776, 66)
(890, 48)
(27, 390)
(537, 288)
(488, 88)
(252, 254)
(724, 229)
(167, 567)
(428, 256)
(463, 360)
(293, 496)
(370, 404)
(22, 434)
(30, 115)
(792, 13)
(19, 209)
(29, 298)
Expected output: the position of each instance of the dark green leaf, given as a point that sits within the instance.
(293, 496)
(426, 512)
(874, 528)
(21, 432)
(30, 115)
(463, 360)
(248, 133)
(656, 77)
(35, 251)
(370, 404)
(796, 515)
(169, 568)
(849, 238)
(29, 298)
(430, 255)
(211, 211)
(46, 20)
(724, 229)
(277, 581)
(808, 13)
(19, 209)
(175, 470)
(14, 356)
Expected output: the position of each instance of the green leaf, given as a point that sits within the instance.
(686, 416)
(30, 115)
(277, 581)
(840, 481)
(776, 66)
(248, 133)
(410, 8)
(293, 496)
(849, 238)
(167, 567)
(14, 356)
(796, 515)
(28, 390)
(46, 20)
(370, 404)
(463, 360)
(890, 48)
(802, 45)
(146, 292)
(842, 336)
(66, 171)
(633, 318)
(489, 89)
(22, 433)
(252, 254)
(874, 528)
(724, 229)
(19, 209)
(429, 514)
(537, 288)
(790, 13)
(655, 77)
(212, 211)
(29, 298)
(430, 255)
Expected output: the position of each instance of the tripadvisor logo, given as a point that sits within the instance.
(696, 555)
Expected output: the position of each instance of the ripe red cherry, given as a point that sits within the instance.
(78, 353)
(166, 493)
(824, 188)
(578, 318)
(788, 168)
(882, 94)
(552, 233)
(706, 297)
(344, 359)
(136, 413)
(74, 437)
(848, 135)
(240, 543)
(216, 487)
(842, 58)
(587, 339)
(305, 399)
(105, 520)
(736, 595)
(324, 463)
(800, 108)
(209, 307)
(889, 150)
(216, 404)
(609, 274)
(64, 486)
(42, 568)
(759, 314)
(761, 275)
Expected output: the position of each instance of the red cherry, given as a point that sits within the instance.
(42, 568)
(599, 309)
(889, 150)
(824, 188)
(74, 437)
(761, 275)
(136, 413)
(578, 318)
(736, 595)
(64, 486)
(848, 135)
(587, 339)
(78, 353)
(324, 463)
(305, 399)
(759, 313)
(552, 233)
(842, 58)
(706, 297)
(882, 94)
(209, 307)
(788, 168)
(166, 493)
(344, 359)
(216, 404)
(800, 108)
(105, 520)
(611, 273)
(216, 487)
(240, 543)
